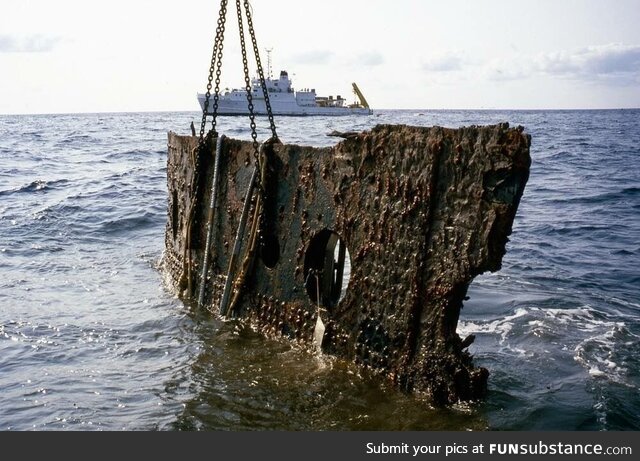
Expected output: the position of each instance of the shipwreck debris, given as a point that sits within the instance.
(376, 238)
(364, 250)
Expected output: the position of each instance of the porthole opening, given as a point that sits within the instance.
(327, 268)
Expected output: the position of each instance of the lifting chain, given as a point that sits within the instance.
(247, 83)
(198, 152)
(263, 82)
(260, 186)
(216, 61)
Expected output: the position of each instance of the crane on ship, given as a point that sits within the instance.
(363, 101)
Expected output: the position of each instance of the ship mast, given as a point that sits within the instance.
(269, 74)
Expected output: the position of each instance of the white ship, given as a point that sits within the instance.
(285, 100)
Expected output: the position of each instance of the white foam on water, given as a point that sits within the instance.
(592, 339)
(599, 353)
(501, 327)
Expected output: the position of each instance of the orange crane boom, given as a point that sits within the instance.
(361, 97)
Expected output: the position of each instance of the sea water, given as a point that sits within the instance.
(92, 337)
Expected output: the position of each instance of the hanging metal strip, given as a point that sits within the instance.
(238, 243)
(213, 205)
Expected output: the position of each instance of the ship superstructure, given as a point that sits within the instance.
(285, 100)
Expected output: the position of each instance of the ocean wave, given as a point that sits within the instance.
(594, 199)
(603, 345)
(583, 230)
(500, 327)
(39, 185)
(630, 191)
(128, 154)
(606, 354)
(81, 139)
(131, 223)
(57, 211)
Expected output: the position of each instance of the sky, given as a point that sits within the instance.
(68, 56)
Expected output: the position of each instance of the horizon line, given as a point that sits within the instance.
(374, 111)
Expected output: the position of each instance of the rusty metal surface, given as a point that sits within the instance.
(421, 211)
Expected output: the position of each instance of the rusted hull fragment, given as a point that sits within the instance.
(409, 215)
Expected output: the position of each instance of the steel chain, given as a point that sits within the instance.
(252, 118)
(216, 67)
(258, 161)
(263, 225)
(247, 82)
(198, 154)
(216, 62)
(263, 82)
(220, 32)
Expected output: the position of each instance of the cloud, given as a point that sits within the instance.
(612, 63)
(369, 59)
(313, 57)
(449, 62)
(594, 62)
(27, 44)
(514, 68)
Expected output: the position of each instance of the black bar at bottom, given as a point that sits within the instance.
(332, 446)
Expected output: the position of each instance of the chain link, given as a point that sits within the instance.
(247, 83)
(216, 62)
(261, 187)
(254, 135)
(216, 68)
(263, 83)
(220, 33)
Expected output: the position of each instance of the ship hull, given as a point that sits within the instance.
(236, 106)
